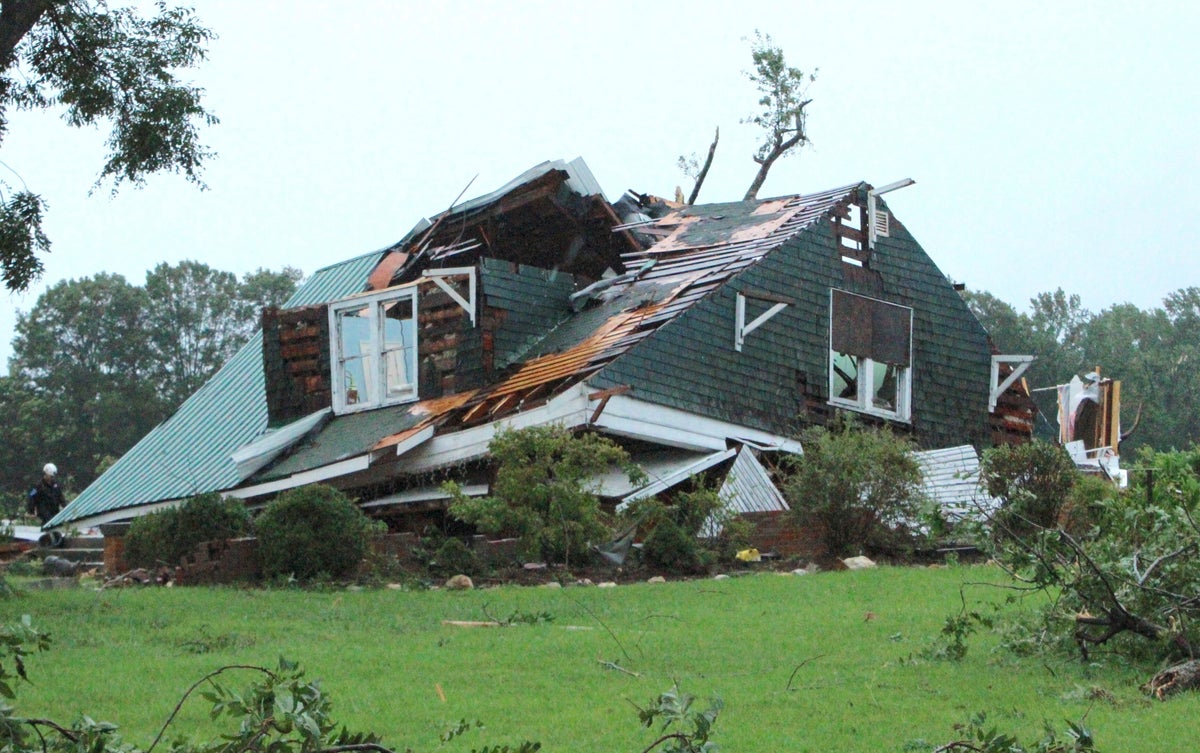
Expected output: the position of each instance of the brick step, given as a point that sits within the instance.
(84, 542)
(73, 554)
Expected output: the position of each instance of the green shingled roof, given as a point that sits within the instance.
(189, 453)
(343, 437)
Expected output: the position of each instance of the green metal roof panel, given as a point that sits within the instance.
(189, 453)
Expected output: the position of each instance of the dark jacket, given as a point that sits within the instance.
(46, 499)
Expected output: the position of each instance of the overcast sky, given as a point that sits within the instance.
(1054, 144)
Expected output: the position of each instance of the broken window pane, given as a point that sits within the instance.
(885, 386)
(354, 347)
(399, 348)
(845, 376)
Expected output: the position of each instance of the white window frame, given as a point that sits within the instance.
(863, 401)
(372, 394)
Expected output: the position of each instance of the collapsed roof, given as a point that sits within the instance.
(537, 301)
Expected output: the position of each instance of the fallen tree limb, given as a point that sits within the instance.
(1176, 679)
(473, 623)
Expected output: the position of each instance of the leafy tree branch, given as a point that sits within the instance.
(99, 65)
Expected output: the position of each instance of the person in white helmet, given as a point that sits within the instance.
(46, 499)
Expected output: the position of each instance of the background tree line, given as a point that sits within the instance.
(98, 362)
(1154, 352)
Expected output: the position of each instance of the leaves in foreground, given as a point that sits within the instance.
(977, 736)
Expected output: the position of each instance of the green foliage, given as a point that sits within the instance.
(669, 547)
(980, 737)
(98, 362)
(543, 493)
(952, 641)
(166, 536)
(782, 117)
(312, 531)
(17, 641)
(22, 239)
(454, 556)
(684, 729)
(859, 487)
(1033, 481)
(150, 540)
(80, 367)
(284, 713)
(100, 65)
(1129, 575)
(693, 531)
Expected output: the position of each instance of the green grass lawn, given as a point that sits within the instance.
(814, 663)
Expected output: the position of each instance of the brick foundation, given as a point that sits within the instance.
(778, 532)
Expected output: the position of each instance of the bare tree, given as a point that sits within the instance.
(691, 167)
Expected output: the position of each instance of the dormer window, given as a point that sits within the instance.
(374, 349)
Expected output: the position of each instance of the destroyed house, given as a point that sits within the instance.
(697, 336)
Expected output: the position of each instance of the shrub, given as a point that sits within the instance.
(669, 546)
(543, 491)
(1120, 564)
(454, 557)
(166, 536)
(150, 539)
(1032, 481)
(692, 531)
(312, 531)
(858, 487)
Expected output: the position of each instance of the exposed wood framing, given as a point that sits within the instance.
(468, 304)
(603, 396)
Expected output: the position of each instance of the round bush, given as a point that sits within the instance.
(670, 547)
(312, 531)
(166, 536)
(149, 541)
(454, 557)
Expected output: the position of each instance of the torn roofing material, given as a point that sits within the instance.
(708, 246)
(191, 452)
(553, 215)
(703, 248)
(537, 248)
(950, 479)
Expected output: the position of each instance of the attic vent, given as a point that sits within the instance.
(882, 223)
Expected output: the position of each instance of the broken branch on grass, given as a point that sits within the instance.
(616, 667)
(198, 683)
(797, 669)
(604, 625)
(473, 623)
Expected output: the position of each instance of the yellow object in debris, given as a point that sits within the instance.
(749, 555)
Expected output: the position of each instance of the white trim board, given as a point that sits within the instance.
(324, 473)
(639, 419)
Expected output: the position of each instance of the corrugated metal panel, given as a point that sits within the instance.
(748, 487)
(189, 453)
(951, 479)
(579, 177)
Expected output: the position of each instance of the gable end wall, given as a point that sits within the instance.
(779, 381)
